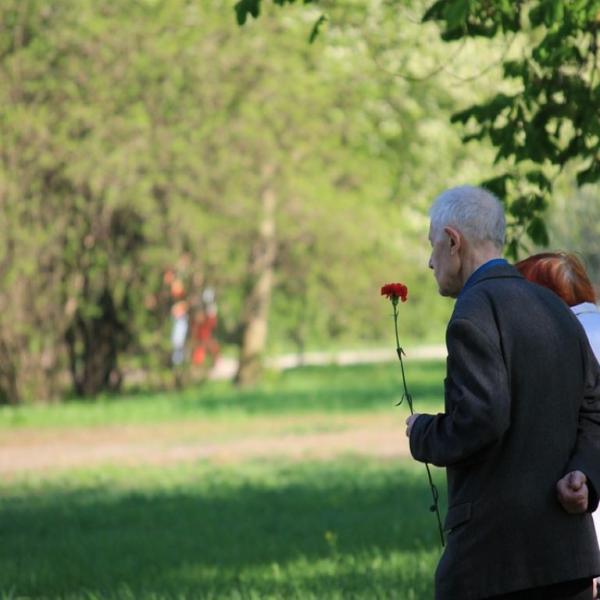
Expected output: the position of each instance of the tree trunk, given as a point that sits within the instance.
(9, 389)
(93, 346)
(260, 285)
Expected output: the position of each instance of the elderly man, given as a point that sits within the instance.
(520, 434)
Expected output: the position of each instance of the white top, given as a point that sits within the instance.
(589, 316)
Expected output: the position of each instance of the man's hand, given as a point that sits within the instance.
(409, 423)
(572, 492)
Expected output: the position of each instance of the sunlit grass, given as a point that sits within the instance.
(331, 389)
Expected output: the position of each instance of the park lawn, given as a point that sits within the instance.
(346, 528)
(274, 527)
(332, 389)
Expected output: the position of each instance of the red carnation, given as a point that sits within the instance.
(395, 291)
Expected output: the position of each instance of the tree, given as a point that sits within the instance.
(550, 117)
(78, 208)
(287, 175)
(546, 117)
(122, 151)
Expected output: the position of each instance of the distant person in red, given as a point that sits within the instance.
(205, 323)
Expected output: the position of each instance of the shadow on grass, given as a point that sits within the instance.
(296, 531)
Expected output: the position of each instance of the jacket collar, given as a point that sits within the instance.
(499, 270)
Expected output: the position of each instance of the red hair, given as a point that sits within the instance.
(561, 272)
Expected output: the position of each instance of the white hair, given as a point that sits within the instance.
(474, 211)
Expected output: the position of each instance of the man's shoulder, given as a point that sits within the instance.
(516, 305)
(502, 276)
(505, 292)
(503, 285)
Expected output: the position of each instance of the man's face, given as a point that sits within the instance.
(445, 262)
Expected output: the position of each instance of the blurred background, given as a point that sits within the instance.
(155, 153)
(196, 219)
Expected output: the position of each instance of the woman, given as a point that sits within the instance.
(565, 275)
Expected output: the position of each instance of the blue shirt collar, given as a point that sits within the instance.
(479, 270)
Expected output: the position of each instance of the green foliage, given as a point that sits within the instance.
(575, 226)
(551, 118)
(245, 8)
(547, 117)
(144, 136)
(316, 28)
(177, 144)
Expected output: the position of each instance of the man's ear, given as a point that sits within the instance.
(455, 238)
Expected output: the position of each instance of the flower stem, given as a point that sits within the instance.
(434, 491)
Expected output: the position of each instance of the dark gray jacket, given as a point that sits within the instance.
(522, 409)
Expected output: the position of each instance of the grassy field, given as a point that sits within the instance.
(330, 389)
(348, 527)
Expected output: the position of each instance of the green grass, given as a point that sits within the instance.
(349, 528)
(331, 389)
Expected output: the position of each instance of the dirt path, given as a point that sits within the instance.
(169, 444)
(298, 437)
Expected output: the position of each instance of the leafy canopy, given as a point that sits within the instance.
(550, 118)
(547, 117)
